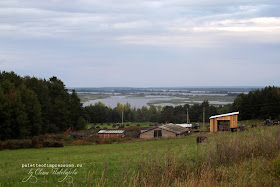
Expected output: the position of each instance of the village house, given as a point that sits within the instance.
(165, 131)
(111, 133)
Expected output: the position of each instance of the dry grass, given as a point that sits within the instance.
(241, 159)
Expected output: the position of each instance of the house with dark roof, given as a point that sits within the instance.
(165, 131)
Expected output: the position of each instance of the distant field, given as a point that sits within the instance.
(86, 97)
(179, 99)
(194, 99)
(110, 126)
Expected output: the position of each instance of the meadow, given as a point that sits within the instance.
(249, 158)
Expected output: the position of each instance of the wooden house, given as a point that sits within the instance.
(224, 122)
(164, 131)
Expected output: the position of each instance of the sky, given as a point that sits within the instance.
(143, 43)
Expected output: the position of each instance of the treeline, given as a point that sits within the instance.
(259, 104)
(99, 113)
(30, 106)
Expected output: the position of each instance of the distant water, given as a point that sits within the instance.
(139, 102)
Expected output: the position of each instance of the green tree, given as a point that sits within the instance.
(81, 124)
(33, 111)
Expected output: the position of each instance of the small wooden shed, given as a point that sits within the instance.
(224, 122)
(111, 133)
(165, 131)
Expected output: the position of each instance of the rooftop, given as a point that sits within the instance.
(173, 128)
(186, 125)
(222, 115)
(111, 131)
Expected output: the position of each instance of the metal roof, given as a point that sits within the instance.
(111, 131)
(185, 125)
(173, 128)
(222, 115)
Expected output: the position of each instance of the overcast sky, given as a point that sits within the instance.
(143, 43)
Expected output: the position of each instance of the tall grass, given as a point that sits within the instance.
(249, 158)
(237, 159)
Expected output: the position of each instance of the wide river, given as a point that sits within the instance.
(138, 102)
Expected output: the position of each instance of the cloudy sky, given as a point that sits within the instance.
(143, 43)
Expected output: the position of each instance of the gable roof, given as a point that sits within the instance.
(173, 128)
(148, 128)
(222, 115)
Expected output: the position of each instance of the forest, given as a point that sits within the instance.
(259, 104)
(30, 106)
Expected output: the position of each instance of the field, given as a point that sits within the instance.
(86, 97)
(248, 158)
(194, 99)
(111, 158)
(110, 126)
(178, 100)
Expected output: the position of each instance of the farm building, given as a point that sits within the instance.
(165, 131)
(185, 125)
(111, 133)
(224, 122)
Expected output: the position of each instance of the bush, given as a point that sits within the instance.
(132, 132)
(35, 140)
(57, 144)
(13, 144)
(47, 144)
(26, 145)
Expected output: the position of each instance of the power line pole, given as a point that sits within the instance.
(188, 119)
(203, 116)
(122, 117)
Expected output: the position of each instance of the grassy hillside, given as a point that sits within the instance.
(248, 158)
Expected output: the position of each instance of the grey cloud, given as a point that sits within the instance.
(102, 43)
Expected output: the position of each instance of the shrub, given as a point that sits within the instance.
(201, 139)
(132, 132)
(26, 144)
(57, 144)
(12, 145)
(47, 144)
